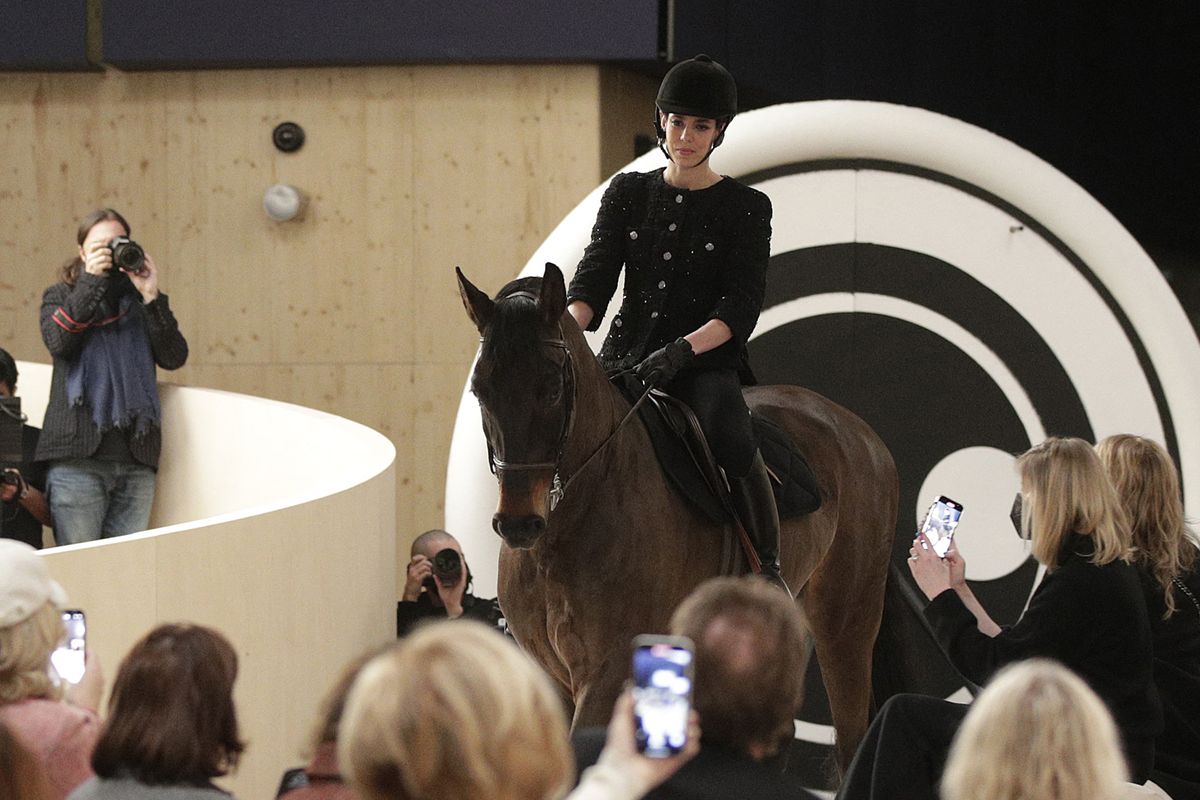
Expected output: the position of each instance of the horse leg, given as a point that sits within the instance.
(844, 605)
(595, 696)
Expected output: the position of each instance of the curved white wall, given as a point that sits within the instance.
(274, 524)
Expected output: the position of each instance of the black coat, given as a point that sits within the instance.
(1177, 675)
(689, 257)
(716, 773)
(1090, 618)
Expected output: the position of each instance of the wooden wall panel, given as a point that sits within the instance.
(354, 309)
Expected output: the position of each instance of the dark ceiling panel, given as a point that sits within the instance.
(43, 35)
(217, 33)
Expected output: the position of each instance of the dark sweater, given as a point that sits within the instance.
(689, 257)
(70, 432)
(1090, 618)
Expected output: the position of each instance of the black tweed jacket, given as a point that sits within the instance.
(70, 432)
(689, 257)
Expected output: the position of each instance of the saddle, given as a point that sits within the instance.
(688, 463)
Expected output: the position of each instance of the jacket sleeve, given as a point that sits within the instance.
(166, 342)
(743, 274)
(1055, 625)
(596, 276)
(66, 313)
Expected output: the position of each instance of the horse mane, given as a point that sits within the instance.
(514, 330)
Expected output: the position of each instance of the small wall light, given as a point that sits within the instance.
(283, 202)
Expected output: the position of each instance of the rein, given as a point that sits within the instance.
(558, 489)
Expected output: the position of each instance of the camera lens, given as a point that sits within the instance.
(127, 254)
(447, 565)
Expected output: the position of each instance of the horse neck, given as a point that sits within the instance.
(599, 407)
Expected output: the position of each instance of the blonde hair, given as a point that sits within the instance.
(454, 712)
(25, 650)
(1066, 491)
(1147, 484)
(1037, 732)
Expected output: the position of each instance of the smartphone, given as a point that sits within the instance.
(940, 521)
(662, 693)
(68, 659)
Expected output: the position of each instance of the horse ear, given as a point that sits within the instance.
(554, 294)
(478, 305)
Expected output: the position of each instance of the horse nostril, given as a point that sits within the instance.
(538, 524)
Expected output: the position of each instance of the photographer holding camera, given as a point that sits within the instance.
(21, 480)
(107, 326)
(437, 586)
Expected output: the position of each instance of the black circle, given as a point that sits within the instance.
(288, 137)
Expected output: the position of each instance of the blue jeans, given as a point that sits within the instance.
(92, 499)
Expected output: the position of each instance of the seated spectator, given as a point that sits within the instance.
(430, 595)
(1087, 613)
(20, 775)
(57, 735)
(748, 686)
(322, 778)
(1165, 551)
(1036, 733)
(21, 488)
(457, 712)
(171, 724)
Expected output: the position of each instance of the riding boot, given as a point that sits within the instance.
(754, 503)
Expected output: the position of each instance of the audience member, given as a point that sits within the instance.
(20, 775)
(457, 712)
(171, 724)
(1036, 733)
(748, 686)
(322, 778)
(23, 483)
(106, 327)
(1165, 551)
(57, 735)
(1087, 613)
(438, 586)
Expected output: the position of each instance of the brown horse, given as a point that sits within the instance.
(621, 549)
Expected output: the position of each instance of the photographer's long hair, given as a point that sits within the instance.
(69, 273)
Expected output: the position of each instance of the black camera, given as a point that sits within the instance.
(127, 255)
(10, 477)
(447, 566)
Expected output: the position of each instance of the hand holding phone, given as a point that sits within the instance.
(662, 693)
(69, 660)
(940, 521)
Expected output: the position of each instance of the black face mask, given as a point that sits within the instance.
(1015, 516)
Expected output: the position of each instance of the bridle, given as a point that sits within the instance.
(499, 466)
(558, 489)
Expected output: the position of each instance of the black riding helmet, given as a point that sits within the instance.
(698, 87)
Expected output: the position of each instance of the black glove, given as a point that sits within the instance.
(663, 364)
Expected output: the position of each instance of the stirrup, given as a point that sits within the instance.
(771, 574)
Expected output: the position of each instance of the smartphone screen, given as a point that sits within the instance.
(662, 693)
(68, 659)
(940, 522)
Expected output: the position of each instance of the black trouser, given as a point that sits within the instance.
(715, 396)
(905, 750)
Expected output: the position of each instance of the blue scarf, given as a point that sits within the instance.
(114, 375)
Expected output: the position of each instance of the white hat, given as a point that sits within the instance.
(25, 583)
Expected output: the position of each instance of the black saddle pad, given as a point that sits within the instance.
(688, 463)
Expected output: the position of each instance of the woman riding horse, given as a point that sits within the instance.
(695, 246)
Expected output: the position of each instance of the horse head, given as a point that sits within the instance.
(524, 382)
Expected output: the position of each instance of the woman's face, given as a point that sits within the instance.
(689, 139)
(102, 232)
